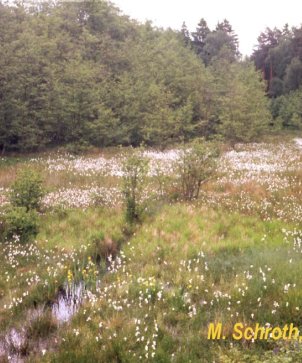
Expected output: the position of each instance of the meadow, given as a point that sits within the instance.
(91, 288)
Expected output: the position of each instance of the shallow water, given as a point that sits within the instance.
(14, 344)
(68, 302)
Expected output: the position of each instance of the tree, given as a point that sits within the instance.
(227, 28)
(219, 43)
(185, 34)
(242, 108)
(278, 55)
(288, 109)
(200, 35)
(293, 76)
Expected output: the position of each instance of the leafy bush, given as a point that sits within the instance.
(195, 166)
(27, 191)
(287, 110)
(20, 222)
(135, 169)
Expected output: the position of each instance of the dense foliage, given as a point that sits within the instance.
(222, 42)
(27, 190)
(279, 56)
(19, 224)
(196, 165)
(81, 73)
(20, 220)
(135, 171)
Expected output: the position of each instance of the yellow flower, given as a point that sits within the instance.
(69, 276)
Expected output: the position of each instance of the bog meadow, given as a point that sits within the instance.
(150, 185)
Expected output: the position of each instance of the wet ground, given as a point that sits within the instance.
(16, 345)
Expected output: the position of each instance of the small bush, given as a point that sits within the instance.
(135, 169)
(196, 165)
(20, 222)
(27, 190)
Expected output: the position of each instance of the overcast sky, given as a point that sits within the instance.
(248, 17)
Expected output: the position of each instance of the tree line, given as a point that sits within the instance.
(81, 73)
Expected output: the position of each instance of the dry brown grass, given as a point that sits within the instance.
(7, 176)
(256, 190)
(108, 247)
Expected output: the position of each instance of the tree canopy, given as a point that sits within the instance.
(82, 73)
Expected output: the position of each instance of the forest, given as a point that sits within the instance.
(81, 74)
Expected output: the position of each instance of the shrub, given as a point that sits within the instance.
(20, 222)
(195, 166)
(135, 170)
(27, 190)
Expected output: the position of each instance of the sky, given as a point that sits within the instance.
(247, 17)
